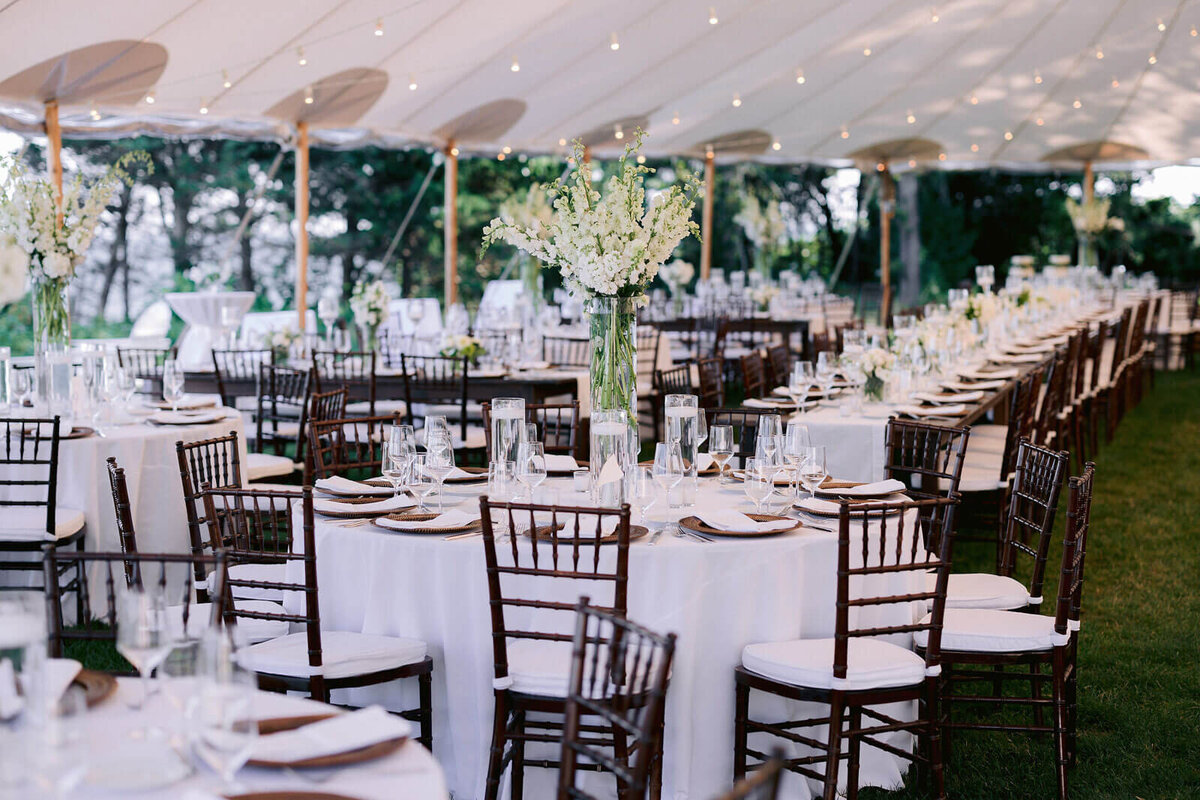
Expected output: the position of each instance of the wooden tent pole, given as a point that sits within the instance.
(451, 224)
(54, 154)
(706, 215)
(1089, 182)
(887, 203)
(302, 222)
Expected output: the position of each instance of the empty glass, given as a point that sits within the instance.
(644, 492)
(172, 383)
(226, 726)
(502, 480)
(531, 465)
(794, 445)
(758, 482)
(439, 461)
(721, 448)
(393, 464)
(143, 635)
(420, 481)
(799, 383)
(668, 467)
(813, 471)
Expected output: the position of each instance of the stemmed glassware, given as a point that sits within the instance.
(172, 383)
(827, 364)
(795, 443)
(668, 467)
(813, 471)
(143, 635)
(758, 482)
(644, 491)
(767, 446)
(799, 383)
(439, 461)
(327, 312)
(393, 464)
(701, 429)
(226, 725)
(531, 465)
(420, 481)
(721, 448)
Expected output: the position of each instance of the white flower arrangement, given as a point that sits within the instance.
(983, 307)
(531, 210)
(764, 226)
(282, 339)
(463, 346)
(763, 295)
(14, 273)
(1091, 217)
(369, 302)
(207, 276)
(1060, 260)
(677, 274)
(611, 245)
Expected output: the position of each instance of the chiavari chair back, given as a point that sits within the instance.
(711, 372)
(212, 462)
(557, 425)
(754, 376)
(779, 359)
(351, 447)
(927, 458)
(354, 370)
(120, 495)
(579, 550)
(237, 365)
(1069, 607)
(710, 337)
(649, 339)
(328, 405)
(676, 380)
(619, 676)
(282, 414)
(1031, 507)
(567, 352)
(762, 784)
(146, 364)
(437, 380)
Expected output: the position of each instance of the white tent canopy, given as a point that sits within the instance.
(993, 82)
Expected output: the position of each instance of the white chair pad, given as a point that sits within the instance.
(543, 668)
(265, 465)
(363, 407)
(476, 437)
(870, 663)
(981, 630)
(28, 523)
(256, 572)
(254, 630)
(275, 487)
(285, 430)
(986, 444)
(343, 654)
(983, 590)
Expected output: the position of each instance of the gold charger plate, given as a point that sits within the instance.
(369, 753)
(97, 686)
(693, 523)
(350, 513)
(544, 534)
(421, 516)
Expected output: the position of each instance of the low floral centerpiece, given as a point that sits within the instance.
(1090, 219)
(677, 274)
(608, 249)
(468, 347)
(763, 295)
(281, 341)
(876, 365)
(369, 302)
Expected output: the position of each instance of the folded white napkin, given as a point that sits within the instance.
(1026, 349)
(1015, 358)
(60, 674)
(952, 410)
(487, 373)
(534, 365)
(954, 397)
(458, 473)
(703, 461)
(726, 519)
(992, 374)
(611, 471)
(818, 506)
(57, 675)
(889, 486)
(560, 463)
(189, 402)
(379, 506)
(338, 734)
(754, 402)
(982, 386)
(186, 418)
(344, 486)
(454, 518)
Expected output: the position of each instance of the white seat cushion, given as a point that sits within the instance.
(254, 630)
(980, 630)
(986, 444)
(476, 437)
(28, 523)
(980, 479)
(363, 407)
(983, 590)
(543, 668)
(448, 410)
(870, 663)
(265, 465)
(284, 430)
(343, 654)
(256, 572)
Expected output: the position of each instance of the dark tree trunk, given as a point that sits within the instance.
(247, 269)
(180, 229)
(910, 239)
(117, 253)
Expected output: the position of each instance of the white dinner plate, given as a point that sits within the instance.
(137, 766)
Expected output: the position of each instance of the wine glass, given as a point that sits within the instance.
(757, 482)
(172, 383)
(812, 468)
(126, 386)
(439, 461)
(143, 635)
(420, 481)
(794, 445)
(531, 465)
(435, 423)
(392, 464)
(668, 467)
(799, 382)
(226, 727)
(327, 312)
(644, 492)
(59, 754)
(23, 380)
(501, 477)
(701, 429)
(721, 448)
(826, 372)
(769, 434)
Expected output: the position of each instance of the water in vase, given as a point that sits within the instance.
(508, 418)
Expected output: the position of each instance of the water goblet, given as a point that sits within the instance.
(758, 482)
(531, 465)
(813, 471)
(668, 468)
(721, 449)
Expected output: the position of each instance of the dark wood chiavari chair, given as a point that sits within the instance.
(927, 458)
(980, 645)
(146, 364)
(229, 365)
(565, 352)
(573, 560)
(29, 452)
(754, 376)
(328, 405)
(619, 677)
(350, 447)
(259, 528)
(280, 422)
(649, 339)
(1132, 370)
(442, 384)
(213, 462)
(1109, 390)
(761, 784)
(779, 360)
(557, 424)
(858, 669)
(711, 372)
(354, 370)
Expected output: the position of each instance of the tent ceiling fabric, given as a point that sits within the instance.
(995, 82)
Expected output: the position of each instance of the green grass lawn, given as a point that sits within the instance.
(1139, 684)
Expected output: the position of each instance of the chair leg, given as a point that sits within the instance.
(1060, 722)
(855, 745)
(1072, 714)
(656, 769)
(1035, 693)
(425, 690)
(499, 739)
(833, 747)
(740, 735)
(79, 584)
(518, 760)
(621, 754)
(934, 753)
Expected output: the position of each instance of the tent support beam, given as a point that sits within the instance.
(451, 224)
(887, 203)
(54, 154)
(706, 215)
(1089, 182)
(301, 222)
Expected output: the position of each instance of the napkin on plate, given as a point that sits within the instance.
(611, 471)
(454, 518)
(990, 375)
(1026, 349)
(186, 417)
(339, 485)
(341, 733)
(754, 402)
(458, 473)
(973, 385)
(1015, 358)
(890, 486)
(58, 675)
(818, 506)
(952, 410)
(952, 397)
(560, 463)
(703, 461)
(384, 506)
(727, 519)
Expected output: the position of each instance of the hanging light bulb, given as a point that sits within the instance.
(618, 133)
(1040, 122)
(867, 50)
(150, 98)
(499, 156)
(454, 152)
(737, 100)
(379, 27)
(911, 118)
(845, 132)
(675, 119)
(1162, 26)
(562, 142)
(800, 79)
(974, 148)
(880, 167)
(1194, 32)
(507, 149)
(301, 59)
(1077, 103)
(613, 44)
(1153, 59)
(225, 79)
(1099, 53)
(308, 96)
(912, 163)
(412, 82)
(933, 17)
(776, 145)
(95, 113)
(204, 108)
(712, 15)
(974, 99)
(1008, 136)
(1037, 76)
(941, 156)
(516, 65)
(1115, 83)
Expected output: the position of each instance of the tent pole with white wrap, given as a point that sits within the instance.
(54, 154)
(706, 214)
(301, 221)
(450, 222)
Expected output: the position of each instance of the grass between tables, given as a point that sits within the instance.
(1139, 686)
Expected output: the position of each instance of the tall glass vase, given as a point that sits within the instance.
(51, 329)
(613, 323)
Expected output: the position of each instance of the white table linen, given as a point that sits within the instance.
(202, 313)
(717, 597)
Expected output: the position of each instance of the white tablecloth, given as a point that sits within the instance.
(717, 597)
(853, 443)
(202, 312)
(409, 773)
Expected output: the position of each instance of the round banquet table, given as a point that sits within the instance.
(410, 772)
(718, 597)
(202, 312)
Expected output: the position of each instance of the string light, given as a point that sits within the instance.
(737, 100)
(1077, 103)
(974, 148)
(911, 118)
(613, 44)
(800, 79)
(516, 65)
(1153, 59)
(641, 159)
(379, 27)
(204, 109)
(845, 132)
(675, 119)
(618, 133)
(507, 149)
(1194, 32)
(225, 79)
(974, 99)
(308, 96)
(880, 167)
(933, 17)
(1099, 54)
(1162, 26)
(1040, 122)
(1115, 83)
(95, 114)
(499, 156)
(301, 59)
(912, 163)
(1008, 136)
(454, 152)
(412, 83)
(867, 51)
(712, 15)
(150, 98)
(562, 142)
(776, 145)
(1037, 76)
(941, 156)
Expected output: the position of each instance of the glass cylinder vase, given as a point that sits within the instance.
(51, 329)
(613, 334)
